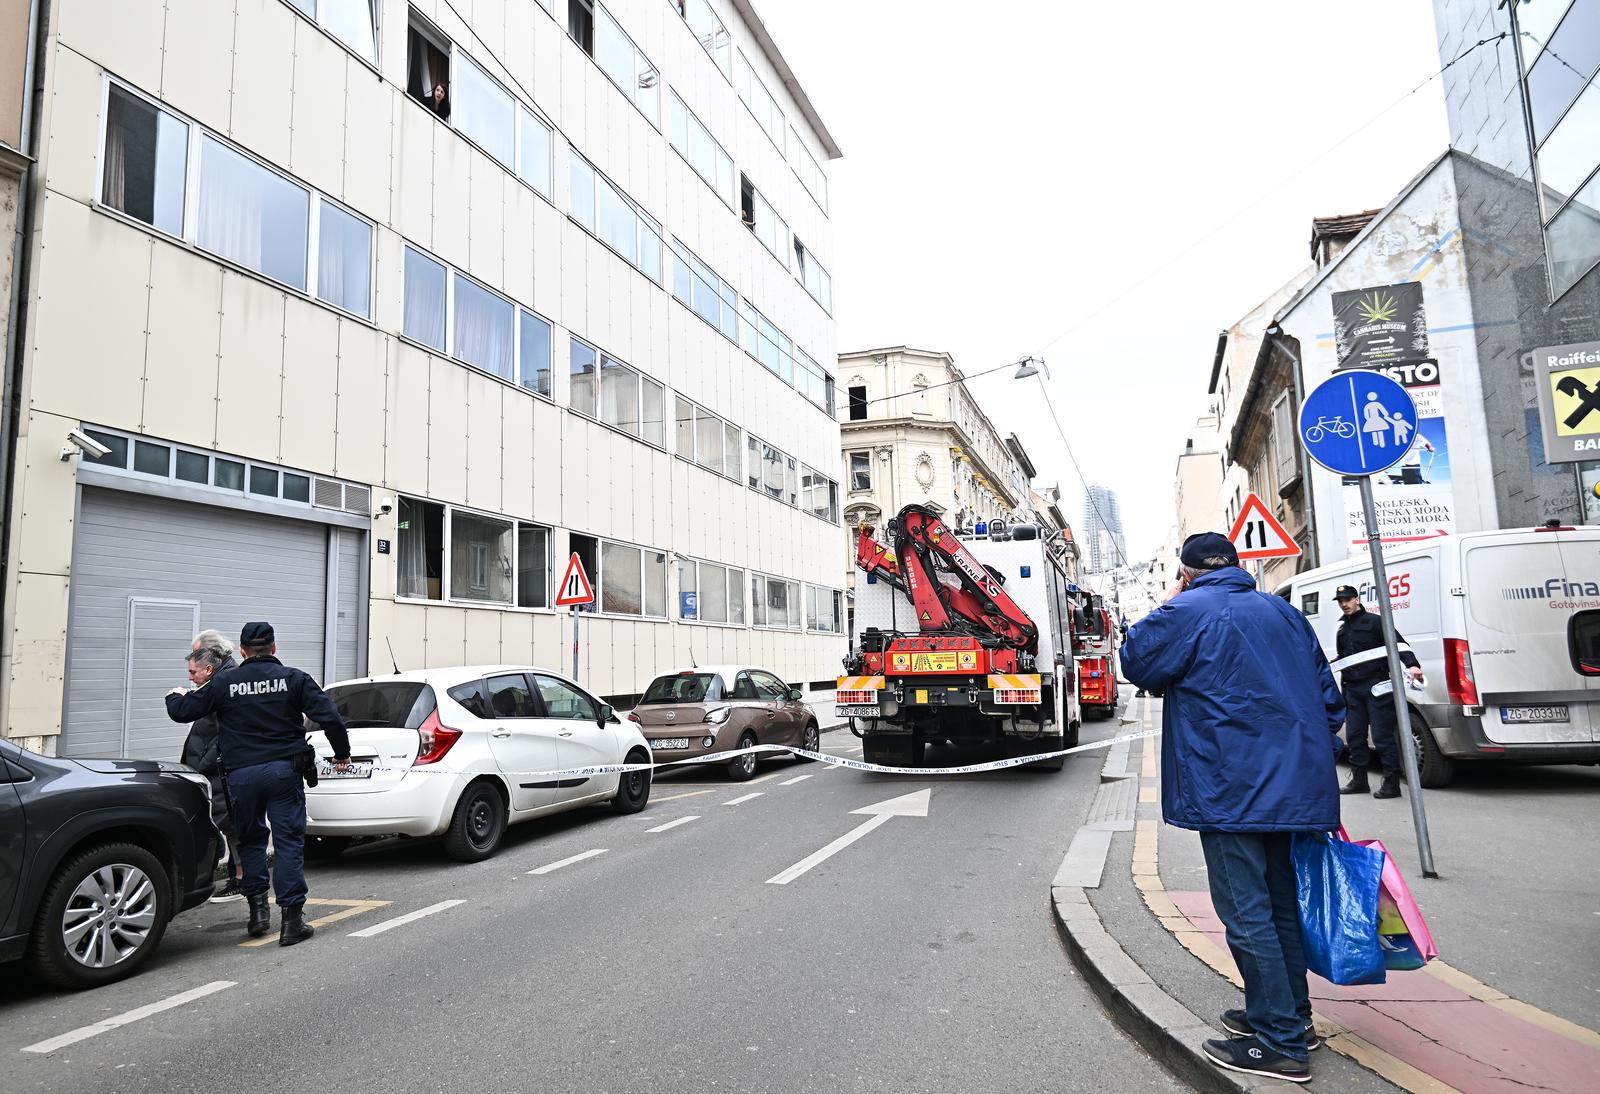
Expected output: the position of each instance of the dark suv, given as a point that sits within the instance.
(95, 857)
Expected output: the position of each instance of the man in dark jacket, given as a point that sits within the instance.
(261, 706)
(1363, 665)
(1247, 760)
(209, 654)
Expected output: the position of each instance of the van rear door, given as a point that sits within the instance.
(1521, 594)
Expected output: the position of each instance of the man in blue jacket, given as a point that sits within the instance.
(1247, 759)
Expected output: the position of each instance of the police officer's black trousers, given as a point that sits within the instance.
(1363, 709)
(272, 792)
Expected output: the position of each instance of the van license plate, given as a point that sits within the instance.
(1554, 713)
(669, 742)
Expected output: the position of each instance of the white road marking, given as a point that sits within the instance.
(914, 804)
(764, 778)
(796, 779)
(85, 1032)
(402, 920)
(745, 798)
(569, 861)
(671, 824)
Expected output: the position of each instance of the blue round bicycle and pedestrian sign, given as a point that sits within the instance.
(1358, 422)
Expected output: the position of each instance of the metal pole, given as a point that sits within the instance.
(1402, 712)
(574, 641)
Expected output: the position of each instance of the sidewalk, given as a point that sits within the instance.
(1515, 906)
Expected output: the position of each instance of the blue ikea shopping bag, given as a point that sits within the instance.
(1337, 888)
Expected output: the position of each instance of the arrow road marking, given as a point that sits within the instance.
(914, 804)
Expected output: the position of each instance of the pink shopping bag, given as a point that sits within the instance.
(1394, 887)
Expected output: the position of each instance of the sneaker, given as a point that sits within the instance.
(230, 891)
(1249, 1055)
(1236, 1024)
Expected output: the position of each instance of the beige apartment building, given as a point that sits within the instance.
(362, 316)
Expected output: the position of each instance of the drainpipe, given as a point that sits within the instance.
(1302, 461)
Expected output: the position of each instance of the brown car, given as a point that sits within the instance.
(720, 708)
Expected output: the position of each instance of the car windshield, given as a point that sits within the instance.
(688, 687)
(392, 703)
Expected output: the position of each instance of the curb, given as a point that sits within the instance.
(1164, 1027)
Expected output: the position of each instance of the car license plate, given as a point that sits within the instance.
(856, 710)
(670, 742)
(1556, 712)
(325, 770)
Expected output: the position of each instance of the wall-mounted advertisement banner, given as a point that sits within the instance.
(1383, 325)
(1567, 383)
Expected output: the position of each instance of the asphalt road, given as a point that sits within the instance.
(921, 957)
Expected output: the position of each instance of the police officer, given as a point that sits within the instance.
(1363, 664)
(261, 707)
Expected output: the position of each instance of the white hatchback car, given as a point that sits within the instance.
(458, 752)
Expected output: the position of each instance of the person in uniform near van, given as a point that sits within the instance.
(1361, 632)
(261, 707)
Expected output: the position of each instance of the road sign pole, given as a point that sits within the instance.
(1402, 710)
(574, 641)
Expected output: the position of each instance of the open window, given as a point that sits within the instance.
(858, 403)
(580, 24)
(428, 66)
(420, 550)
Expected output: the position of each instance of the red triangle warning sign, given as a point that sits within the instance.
(574, 587)
(1259, 534)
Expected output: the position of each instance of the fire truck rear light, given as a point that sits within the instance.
(1015, 696)
(1458, 680)
(848, 697)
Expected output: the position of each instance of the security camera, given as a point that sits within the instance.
(85, 444)
(385, 507)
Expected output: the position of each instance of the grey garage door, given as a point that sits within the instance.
(148, 572)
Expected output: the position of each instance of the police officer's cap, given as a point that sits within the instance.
(1347, 592)
(1207, 545)
(257, 634)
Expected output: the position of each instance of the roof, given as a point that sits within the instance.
(725, 671)
(1347, 224)
(763, 37)
(453, 674)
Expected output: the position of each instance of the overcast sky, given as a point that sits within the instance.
(1011, 170)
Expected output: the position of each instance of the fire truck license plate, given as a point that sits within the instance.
(856, 710)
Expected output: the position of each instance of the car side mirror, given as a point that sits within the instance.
(607, 715)
(795, 695)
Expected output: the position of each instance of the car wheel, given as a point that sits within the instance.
(477, 825)
(811, 741)
(1434, 768)
(633, 787)
(326, 848)
(102, 916)
(743, 767)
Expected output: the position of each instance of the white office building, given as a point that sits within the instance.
(379, 311)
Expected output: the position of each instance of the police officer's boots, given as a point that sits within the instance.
(1390, 787)
(294, 929)
(260, 915)
(1358, 782)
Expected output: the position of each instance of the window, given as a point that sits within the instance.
(821, 495)
(1308, 603)
(1564, 67)
(227, 474)
(611, 215)
(295, 487)
(535, 353)
(700, 149)
(583, 378)
(471, 697)
(858, 403)
(353, 22)
(633, 580)
(510, 697)
(772, 472)
(533, 566)
(823, 609)
(1572, 239)
(698, 287)
(425, 291)
(812, 382)
(536, 155)
(1583, 642)
(561, 700)
(612, 392)
(774, 602)
(483, 326)
(344, 260)
(485, 112)
(263, 481)
(196, 467)
(428, 67)
(145, 162)
(806, 169)
(860, 471)
(763, 107)
(419, 549)
(480, 557)
(156, 459)
(1571, 153)
(1283, 440)
(251, 215)
(709, 592)
(813, 276)
(598, 35)
(708, 29)
(707, 440)
(764, 224)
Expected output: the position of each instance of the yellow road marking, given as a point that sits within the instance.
(347, 908)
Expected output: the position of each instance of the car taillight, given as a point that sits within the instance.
(633, 716)
(434, 739)
(1458, 679)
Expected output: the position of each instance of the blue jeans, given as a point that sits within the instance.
(1253, 890)
(271, 792)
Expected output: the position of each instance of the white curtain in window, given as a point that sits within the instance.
(411, 577)
(344, 261)
(483, 328)
(425, 300)
(253, 216)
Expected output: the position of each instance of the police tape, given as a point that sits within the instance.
(327, 772)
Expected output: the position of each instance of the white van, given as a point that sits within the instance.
(1507, 627)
